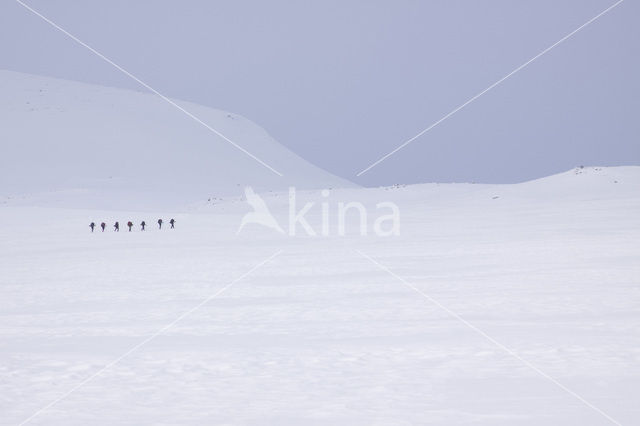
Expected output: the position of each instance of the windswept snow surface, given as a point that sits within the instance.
(67, 143)
(320, 335)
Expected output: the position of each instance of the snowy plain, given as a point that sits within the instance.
(321, 334)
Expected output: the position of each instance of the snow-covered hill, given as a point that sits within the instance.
(73, 144)
(580, 185)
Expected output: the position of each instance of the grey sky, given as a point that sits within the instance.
(343, 83)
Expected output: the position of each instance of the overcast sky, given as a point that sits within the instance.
(342, 83)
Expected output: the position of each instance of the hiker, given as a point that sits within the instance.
(172, 222)
(92, 225)
(142, 225)
(159, 223)
(103, 225)
(129, 224)
(116, 227)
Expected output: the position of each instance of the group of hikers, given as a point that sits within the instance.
(143, 224)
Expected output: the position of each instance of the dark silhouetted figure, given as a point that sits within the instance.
(129, 224)
(142, 225)
(92, 225)
(172, 222)
(116, 227)
(103, 225)
(159, 223)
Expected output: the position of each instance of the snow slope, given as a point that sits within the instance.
(320, 334)
(69, 143)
